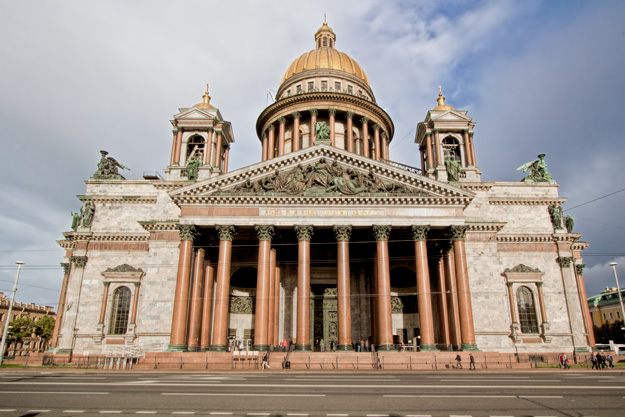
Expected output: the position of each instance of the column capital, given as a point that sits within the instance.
(78, 261)
(539, 284)
(107, 284)
(471, 133)
(342, 232)
(428, 133)
(187, 231)
(296, 115)
(264, 232)
(364, 120)
(376, 127)
(579, 269)
(226, 232)
(304, 232)
(314, 112)
(564, 261)
(332, 112)
(420, 232)
(381, 232)
(137, 284)
(384, 134)
(509, 284)
(435, 130)
(210, 129)
(281, 120)
(349, 115)
(458, 232)
(271, 127)
(65, 266)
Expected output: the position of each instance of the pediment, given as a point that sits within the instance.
(322, 172)
(449, 116)
(194, 114)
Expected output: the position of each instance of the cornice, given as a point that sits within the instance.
(118, 199)
(65, 244)
(323, 200)
(525, 238)
(480, 226)
(579, 246)
(525, 201)
(476, 186)
(167, 185)
(164, 225)
(102, 237)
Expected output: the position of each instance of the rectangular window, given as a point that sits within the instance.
(324, 86)
(337, 86)
(311, 85)
(299, 89)
(604, 316)
(350, 89)
(611, 315)
(618, 314)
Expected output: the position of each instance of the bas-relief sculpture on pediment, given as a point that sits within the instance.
(322, 177)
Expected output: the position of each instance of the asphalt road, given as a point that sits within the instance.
(372, 394)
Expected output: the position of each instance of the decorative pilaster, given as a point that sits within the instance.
(515, 327)
(222, 292)
(437, 147)
(105, 295)
(304, 235)
(384, 323)
(472, 149)
(545, 326)
(61, 305)
(464, 291)
(424, 294)
(386, 155)
(579, 271)
(78, 261)
(343, 234)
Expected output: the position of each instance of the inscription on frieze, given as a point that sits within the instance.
(324, 212)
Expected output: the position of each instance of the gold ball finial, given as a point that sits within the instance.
(441, 101)
(206, 99)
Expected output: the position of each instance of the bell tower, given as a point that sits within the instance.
(201, 142)
(445, 140)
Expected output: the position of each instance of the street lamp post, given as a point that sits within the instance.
(6, 324)
(613, 265)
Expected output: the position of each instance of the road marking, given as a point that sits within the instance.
(217, 413)
(448, 396)
(377, 415)
(337, 415)
(7, 410)
(183, 412)
(490, 379)
(55, 392)
(217, 394)
(145, 412)
(38, 411)
(297, 414)
(110, 412)
(540, 396)
(73, 411)
(258, 414)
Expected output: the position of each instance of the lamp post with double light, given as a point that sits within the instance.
(618, 288)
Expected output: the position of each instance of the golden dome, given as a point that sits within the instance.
(441, 102)
(206, 99)
(325, 56)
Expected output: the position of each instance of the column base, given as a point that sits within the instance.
(428, 348)
(218, 348)
(303, 348)
(261, 348)
(344, 348)
(177, 348)
(194, 349)
(385, 348)
(469, 347)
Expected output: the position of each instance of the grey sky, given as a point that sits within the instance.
(77, 77)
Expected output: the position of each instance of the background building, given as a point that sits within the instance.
(32, 343)
(326, 240)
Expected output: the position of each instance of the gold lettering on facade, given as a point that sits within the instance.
(325, 212)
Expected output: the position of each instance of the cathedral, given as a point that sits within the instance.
(326, 242)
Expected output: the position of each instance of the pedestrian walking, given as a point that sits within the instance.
(610, 360)
(565, 361)
(593, 360)
(471, 362)
(458, 362)
(265, 362)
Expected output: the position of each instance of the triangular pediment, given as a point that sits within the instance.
(195, 114)
(449, 116)
(322, 172)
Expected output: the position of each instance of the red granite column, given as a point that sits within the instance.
(209, 147)
(385, 322)
(270, 297)
(365, 136)
(424, 294)
(135, 303)
(464, 291)
(263, 282)
(271, 146)
(332, 114)
(313, 120)
(265, 146)
(197, 291)
(430, 158)
(342, 234)
(226, 159)
(455, 335)
(304, 235)
(376, 141)
(443, 324)
(281, 122)
(276, 310)
(222, 291)
(467, 148)
(513, 310)
(437, 148)
(207, 305)
(178, 146)
(472, 149)
(174, 141)
(177, 341)
(61, 306)
(384, 139)
(349, 131)
(105, 296)
(374, 302)
(579, 268)
(296, 138)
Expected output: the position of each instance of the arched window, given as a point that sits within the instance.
(451, 149)
(527, 310)
(195, 147)
(119, 313)
(325, 41)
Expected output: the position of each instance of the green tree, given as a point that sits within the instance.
(44, 328)
(22, 327)
(610, 331)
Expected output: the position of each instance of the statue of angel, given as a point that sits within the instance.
(537, 169)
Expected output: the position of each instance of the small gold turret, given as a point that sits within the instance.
(441, 101)
(206, 99)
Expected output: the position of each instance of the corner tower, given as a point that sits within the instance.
(201, 142)
(445, 141)
(325, 97)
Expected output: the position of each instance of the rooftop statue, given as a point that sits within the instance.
(193, 166)
(108, 168)
(537, 169)
(322, 131)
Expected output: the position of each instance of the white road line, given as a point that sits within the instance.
(7, 410)
(297, 414)
(343, 379)
(449, 396)
(419, 415)
(491, 379)
(217, 413)
(377, 415)
(337, 415)
(218, 394)
(55, 392)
